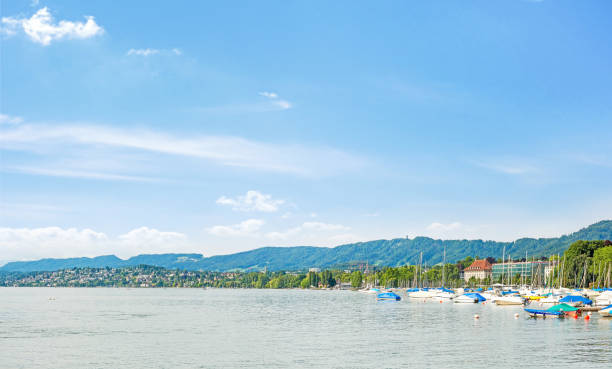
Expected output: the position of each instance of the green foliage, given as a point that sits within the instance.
(582, 262)
(356, 279)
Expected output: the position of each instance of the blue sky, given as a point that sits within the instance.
(217, 127)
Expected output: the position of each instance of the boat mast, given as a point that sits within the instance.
(443, 266)
(503, 266)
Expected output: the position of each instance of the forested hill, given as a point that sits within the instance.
(381, 252)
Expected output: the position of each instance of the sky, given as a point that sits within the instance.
(218, 127)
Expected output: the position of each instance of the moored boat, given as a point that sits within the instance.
(576, 300)
(537, 313)
(510, 300)
(388, 296)
(469, 298)
(606, 311)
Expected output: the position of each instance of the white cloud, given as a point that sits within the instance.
(275, 101)
(148, 52)
(148, 240)
(435, 226)
(142, 52)
(71, 143)
(252, 201)
(33, 243)
(34, 3)
(7, 119)
(245, 228)
(57, 242)
(282, 104)
(41, 28)
(270, 95)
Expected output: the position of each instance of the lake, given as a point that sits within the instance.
(215, 328)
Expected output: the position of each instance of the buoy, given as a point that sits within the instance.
(587, 317)
(440, 301)
(516, 315)
(476, 316)
(483, 303)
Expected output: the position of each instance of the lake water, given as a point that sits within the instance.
(195, 328)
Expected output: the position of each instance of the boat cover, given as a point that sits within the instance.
(576, 298)
(562, 308)
(388, 296)
(476, 296)
(544, 312)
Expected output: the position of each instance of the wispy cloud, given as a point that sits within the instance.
(86, 141)
(40, 27)
(269, 102)
(150, 52)
(510, 166)
(252, 201)
(435, 226)
(245, 228)
(78, 174)
(275, 100)
(8, 119)
(269, 95)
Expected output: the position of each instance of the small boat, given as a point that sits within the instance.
(420, 293)
(536, 313)
(551, 299)
(443, 293)
(557, 311)
(604, 298)
(606, 311)
(388, 296)
(576, 300)
(465, 299)
(371, 290)
(566, 309)
(510, 300)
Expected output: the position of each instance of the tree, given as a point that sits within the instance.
(356, 279)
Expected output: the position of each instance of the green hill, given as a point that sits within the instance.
(393, 252)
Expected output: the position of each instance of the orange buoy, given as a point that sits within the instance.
(440, 301)
(587, 317)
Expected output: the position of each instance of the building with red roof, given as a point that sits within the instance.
(479, 269)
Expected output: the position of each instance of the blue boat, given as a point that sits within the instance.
(476, 296)
(575, 300)
(535, 313)
(388, 296)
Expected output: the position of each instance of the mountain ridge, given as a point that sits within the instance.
(393, 252)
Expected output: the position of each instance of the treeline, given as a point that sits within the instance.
(584, 264)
